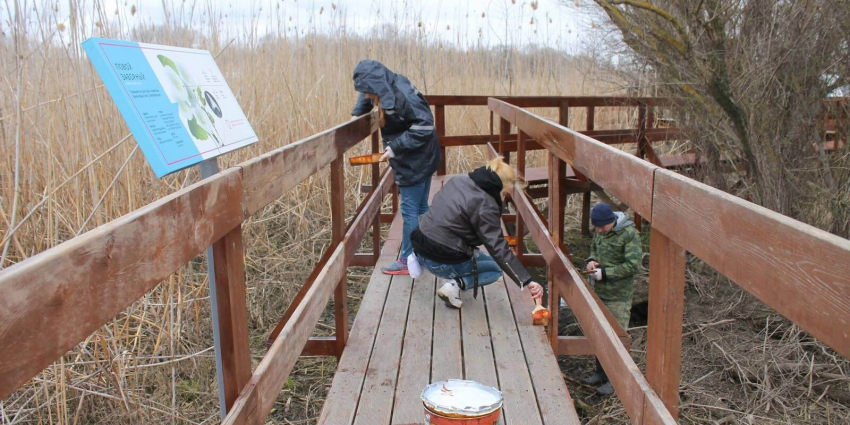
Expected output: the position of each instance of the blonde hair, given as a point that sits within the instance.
(506, 174)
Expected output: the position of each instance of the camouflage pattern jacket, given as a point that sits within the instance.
(618, 252)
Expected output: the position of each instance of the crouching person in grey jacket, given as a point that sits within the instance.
(465, 214)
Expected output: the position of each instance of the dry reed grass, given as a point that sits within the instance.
(70, 165)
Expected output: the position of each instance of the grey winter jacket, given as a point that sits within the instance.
(463, 217)
(409, 125)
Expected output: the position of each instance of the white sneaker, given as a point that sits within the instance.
(450, 293)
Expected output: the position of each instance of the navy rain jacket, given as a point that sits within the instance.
(409, 125)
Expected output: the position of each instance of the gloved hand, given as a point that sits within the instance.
(388, 153)
(591, 265)
(536, 290)
(597, 275)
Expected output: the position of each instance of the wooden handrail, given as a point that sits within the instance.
(257, 398)
(54, 300)
(800, 271)
(549, 101)
(632, 181)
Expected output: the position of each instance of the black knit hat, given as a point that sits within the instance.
(602, 214)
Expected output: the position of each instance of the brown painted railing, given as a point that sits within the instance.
(53, 301)
(800, 271)
(56, 299)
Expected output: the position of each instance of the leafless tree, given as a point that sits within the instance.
(752, 77)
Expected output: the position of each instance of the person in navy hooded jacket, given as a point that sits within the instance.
(409, 139)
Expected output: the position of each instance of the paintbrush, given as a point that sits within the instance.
(540, 315)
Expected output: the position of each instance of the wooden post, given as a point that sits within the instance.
(440, 121)
(585, 197)
(641, 149)
(520, 168)
(557, 198)
(492, 131)
(376, 227)
(338, 233)
(232, 306)
(504, 130)
(395, 200)
(664, 324)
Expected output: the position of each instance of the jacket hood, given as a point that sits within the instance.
(489, 182)
(623, 221)
(373, 77)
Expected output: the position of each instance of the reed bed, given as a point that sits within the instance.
(70, 165)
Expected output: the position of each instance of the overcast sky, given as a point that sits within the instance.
(545, 22)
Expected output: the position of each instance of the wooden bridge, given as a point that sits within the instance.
(403, 339)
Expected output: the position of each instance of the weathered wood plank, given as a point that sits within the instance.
(608, 137)
(520, 404)
(580, 345)
(257, 398)
(548, 101)
(632, 184)
(447, 362)
(415, 366)
(553, 397)
(232, 307)
(440, 123)
(478, 360)
(320, 346)
(54, 300)
(370, 208)
(337, 195)
(557, 200)
(788, 265)
(664, 324)
(377, 395)
(341, 402)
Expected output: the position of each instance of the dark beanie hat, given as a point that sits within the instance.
(602, 214)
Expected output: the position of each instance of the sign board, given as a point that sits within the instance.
(175, 101)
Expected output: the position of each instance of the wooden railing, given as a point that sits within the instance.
(800, 271)
(53, 301)
(56, 299)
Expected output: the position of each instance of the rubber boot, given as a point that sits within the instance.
(606, 389)
(597, 378)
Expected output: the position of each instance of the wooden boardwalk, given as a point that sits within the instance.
(404, 338)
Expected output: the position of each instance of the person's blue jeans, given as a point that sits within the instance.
(414, 202)
(488, 270)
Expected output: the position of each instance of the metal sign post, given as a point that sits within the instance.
(209, 168)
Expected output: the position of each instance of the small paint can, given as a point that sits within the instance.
(461, 402)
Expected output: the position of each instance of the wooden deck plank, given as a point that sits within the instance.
(376, 400)
(478, 360)
(397, 347)
(344, 395)
(447, 357)
(447, 360)
(415, 369)
(520, 405)
(553, 397)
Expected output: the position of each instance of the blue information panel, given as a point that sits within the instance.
(175, 101)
